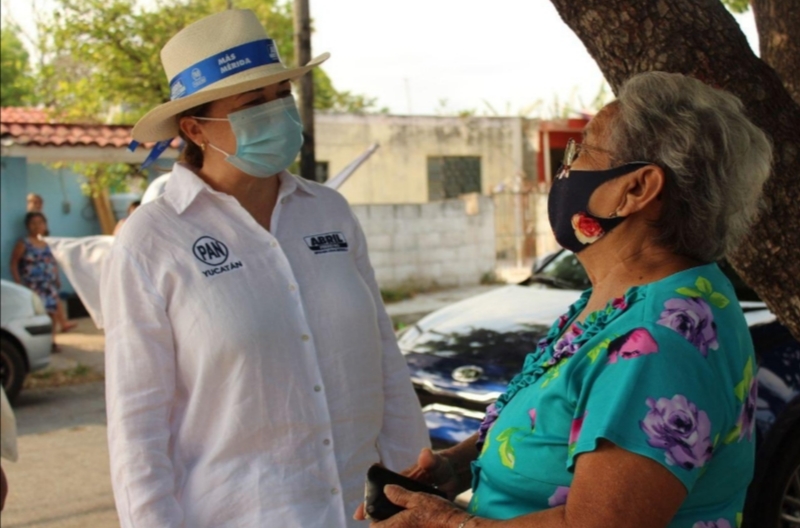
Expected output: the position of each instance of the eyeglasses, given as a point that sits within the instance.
(574, 149)
(570, 153)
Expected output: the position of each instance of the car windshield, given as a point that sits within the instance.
(564, 271)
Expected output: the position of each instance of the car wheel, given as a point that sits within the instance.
(12, 367)
(778, 501)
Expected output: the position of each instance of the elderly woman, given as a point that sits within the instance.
(637, 408)
(252, 371)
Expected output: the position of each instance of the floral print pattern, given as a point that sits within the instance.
(746, 423)
(542, 360)
(506, 450)
(692, 318)
(635, 343)
(680, 429)
(620, 303)
(575, 432)
(720, 523)
(642, 386)
(704, 288)
(559, 497)
(747, 393)
(488, 420)
(587, 229)
(595, 352)
(532, 415)
(37, 269)
(566, 346)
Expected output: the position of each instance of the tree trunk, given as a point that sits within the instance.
(778, 22)
(700, 38)
(105, 213)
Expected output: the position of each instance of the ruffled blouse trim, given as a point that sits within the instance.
(545, 356)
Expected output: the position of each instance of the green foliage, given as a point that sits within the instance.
(16, 83)
(327, 98)
(444, 109)
(737, 6)
(115, 177)
(393, 295)
(102, 56)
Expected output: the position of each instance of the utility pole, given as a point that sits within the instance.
(302, 53)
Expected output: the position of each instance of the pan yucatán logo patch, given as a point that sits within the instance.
(326, 242)
(214, 254)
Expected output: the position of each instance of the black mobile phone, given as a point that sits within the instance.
(376, 505)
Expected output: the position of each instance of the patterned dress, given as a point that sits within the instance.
(667, 371)
(37, 269)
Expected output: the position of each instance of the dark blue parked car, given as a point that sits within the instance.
(462, 357)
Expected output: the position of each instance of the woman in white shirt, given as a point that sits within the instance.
(252, 371)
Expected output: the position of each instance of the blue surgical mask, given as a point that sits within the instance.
(268, 137)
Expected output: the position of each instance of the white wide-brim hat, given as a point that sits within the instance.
(221, 55)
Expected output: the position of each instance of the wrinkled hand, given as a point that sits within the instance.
(422, 510)
(431, 468)
(434, 469)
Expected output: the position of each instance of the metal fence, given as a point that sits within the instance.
(515, 224)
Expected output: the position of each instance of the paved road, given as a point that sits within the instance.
(62, 477)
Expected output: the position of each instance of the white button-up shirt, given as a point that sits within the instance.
(252, 377)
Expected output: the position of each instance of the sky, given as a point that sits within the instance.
(497, 57)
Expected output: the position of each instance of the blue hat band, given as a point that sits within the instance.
(222, 65)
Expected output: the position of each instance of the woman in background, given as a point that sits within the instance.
(33, 266)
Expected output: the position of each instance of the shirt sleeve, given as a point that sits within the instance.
(404, 433)
(140, 389)
(650, 392)
(8, 429)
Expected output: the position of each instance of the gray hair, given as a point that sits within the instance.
(716, 161)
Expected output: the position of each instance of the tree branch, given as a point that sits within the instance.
(702, 39)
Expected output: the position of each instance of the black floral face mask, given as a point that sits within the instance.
(568, 205)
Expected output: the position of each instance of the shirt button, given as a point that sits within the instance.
(273, 244)
(317, 388)
(334, 491)
(292, 287)
(326, 441)
(305, 337)
(284, 200)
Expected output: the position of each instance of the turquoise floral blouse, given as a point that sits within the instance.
(667, 372)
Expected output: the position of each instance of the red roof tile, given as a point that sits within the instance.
(34, 127)
(15, 114)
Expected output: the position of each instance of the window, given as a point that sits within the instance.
(452, 176)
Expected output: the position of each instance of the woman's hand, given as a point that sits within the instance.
(422, 510)
(431, 468)
(437, 470)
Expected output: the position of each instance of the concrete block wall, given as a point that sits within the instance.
(545, 240)
(433, 243)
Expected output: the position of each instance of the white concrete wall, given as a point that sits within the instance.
(545, 240)
(398, 171)
(434, 243)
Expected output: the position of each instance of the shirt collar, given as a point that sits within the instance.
(304, 185)
(184, 186)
